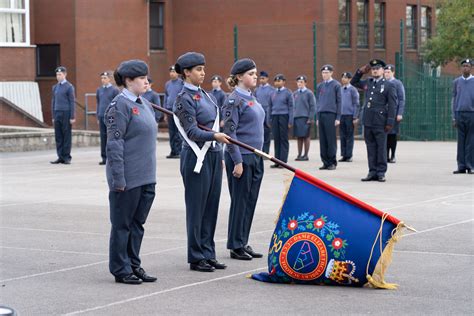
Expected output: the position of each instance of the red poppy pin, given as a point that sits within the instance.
(250, 103)
(197, 97)
(135, 111)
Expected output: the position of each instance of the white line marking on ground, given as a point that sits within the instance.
(427, 201)
(59, 251)
(439, 227)
(436, 253)
(163, 291)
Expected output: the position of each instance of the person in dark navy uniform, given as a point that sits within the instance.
(349, 116)
(130, 170)
(200, 161)
(217, 92)
(263, 94)
(463, 117)
(104, 95)
(389, 75)
(281, 118)
(243, 121)
(172, 88)
(328, 116)
(153, 97)
(379, 116)
(304, 111)
(63, 113)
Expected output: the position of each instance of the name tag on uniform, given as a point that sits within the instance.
(382, 88)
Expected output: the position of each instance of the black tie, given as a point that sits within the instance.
(139, 101)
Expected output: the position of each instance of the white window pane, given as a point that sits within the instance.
(19, 4)
(12, 28)
(5, 4)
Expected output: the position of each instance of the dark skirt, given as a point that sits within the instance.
(300, 127)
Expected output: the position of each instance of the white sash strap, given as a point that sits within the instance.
(199, 152)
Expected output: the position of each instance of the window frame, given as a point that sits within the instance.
(26, 13)
(37, 57)
(380, 25)
(346, 24)
(364, 25)
(428, 27)
(161, 27)
(413, 27)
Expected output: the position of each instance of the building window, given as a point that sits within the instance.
(344, 23)
(379, 24)
(425, 26)
(411, 32)
(47, 59)
(156, 25)
(362, 24)
(14, 23)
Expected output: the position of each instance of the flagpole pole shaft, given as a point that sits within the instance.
(236, 142)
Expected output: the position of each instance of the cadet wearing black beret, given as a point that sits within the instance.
(327, 67)
(188, 61)
(263, 74)
(242, 66)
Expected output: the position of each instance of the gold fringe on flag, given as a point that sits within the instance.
(287, 182)
(377, 279)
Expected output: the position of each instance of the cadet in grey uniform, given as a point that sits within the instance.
(200, 162)
(328, 117)
(243, 121)
(153, 97)
(131, 171)
(281, 116)
(172, 88)
(263, 94)
(349, 116)
(379, 116)
(104, 95)
(463, 117)
(389, 75)
(304, 110)
(63, 113)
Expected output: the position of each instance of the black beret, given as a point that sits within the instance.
(347, 74)
(216, 77)
(242, 65)
(389, 67)
(301, 77)
(327, 67)
(106, 73)
(133, 68)
(466, 61)
(172, 68)
(279, 77)
(60, 69)
(263, 74)
(188, 61)
(377, 63)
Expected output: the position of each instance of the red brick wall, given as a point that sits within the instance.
(12, 117)
(17, 64)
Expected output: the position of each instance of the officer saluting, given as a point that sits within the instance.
(379, 116)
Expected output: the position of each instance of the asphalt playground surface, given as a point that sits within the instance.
(54, 231)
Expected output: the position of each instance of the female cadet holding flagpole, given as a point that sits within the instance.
(200, 161)
(131, 170)
(243, 121)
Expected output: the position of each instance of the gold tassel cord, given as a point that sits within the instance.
(287, 183)
(377, 279)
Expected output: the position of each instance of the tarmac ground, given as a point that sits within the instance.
(54, 234)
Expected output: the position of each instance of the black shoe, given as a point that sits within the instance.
(66, 162)
(299, 158)
(343, 159)
(250, 251)
(102, 163)
(172, 156)
(348, 159)
(201, 266)
(304, 158)
(275, 166)
(332, 167)
(240, 254)
(57, 161)
(469, 171)
(216, 264)
(459, 171)
(368, 178)
(381, 179)
(392, 160)
(143, 275)
(323, 167)
(128, 279)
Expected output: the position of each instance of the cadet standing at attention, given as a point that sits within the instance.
(328, 116)
(389, 75)
(281, 116)
(463, 117)
(104, 95)
(63, 113)
(243, 121)
(172, 88)
(379, 116)
(263, 94)
(131, 171)
(153, 97)
(349, 117)
(305, 108)
(200, 162)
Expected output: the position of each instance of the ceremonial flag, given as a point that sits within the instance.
(325, 236)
